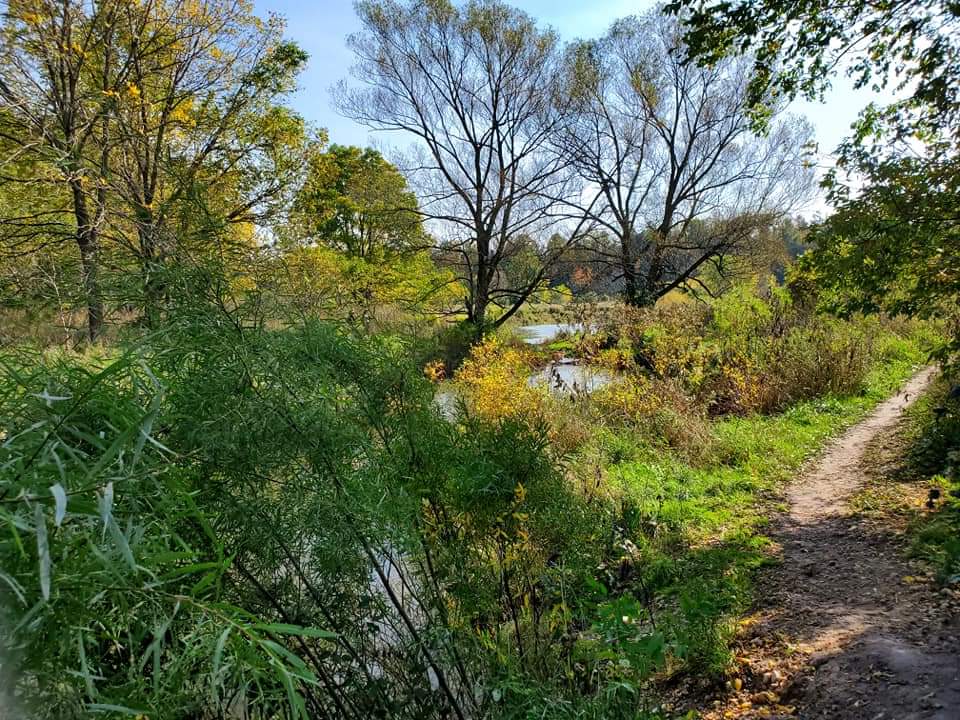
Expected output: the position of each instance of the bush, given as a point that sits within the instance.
(287, 506)
(658, 411)
(115, 576)
(751, 350)
(935, 459)
(494, 381)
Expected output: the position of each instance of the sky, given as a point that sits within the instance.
(321, 28)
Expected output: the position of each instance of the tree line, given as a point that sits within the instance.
(142, 137)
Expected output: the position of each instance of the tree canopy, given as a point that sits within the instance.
(356, 201)
(157, 122)
(891, 244)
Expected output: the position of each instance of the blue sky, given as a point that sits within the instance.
(321, 29)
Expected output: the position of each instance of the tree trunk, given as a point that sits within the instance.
(88, 243)
(89, 268)
(628, 266)
(150, 267)
(648, 294)
(481, 298)
(479, 317)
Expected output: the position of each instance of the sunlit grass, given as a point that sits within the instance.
(702, 529)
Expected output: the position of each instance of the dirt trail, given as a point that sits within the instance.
(844, 632)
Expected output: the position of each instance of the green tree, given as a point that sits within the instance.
(354, 247)
(357, 202)
(160, 122)
(895, 245)
(55, 75)
(198, 126)
(892, 243)
(799, 46)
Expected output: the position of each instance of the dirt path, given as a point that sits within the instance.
(844, 631)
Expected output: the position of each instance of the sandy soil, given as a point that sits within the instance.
(845, 629)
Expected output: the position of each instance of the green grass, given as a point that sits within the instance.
(933, 461)
(701, 529)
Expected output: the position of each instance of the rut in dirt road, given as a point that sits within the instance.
(840, 634)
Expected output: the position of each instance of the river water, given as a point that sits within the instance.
(544, 333)
(566, 376)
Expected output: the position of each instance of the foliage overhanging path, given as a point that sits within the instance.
(841, 633)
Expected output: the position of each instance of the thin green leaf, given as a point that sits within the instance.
(287, 629)
(122, 709)
(121, 540)
(60, 501)
(16, 587)
(218, 650)
(43, 549)
(85, 669)
(297, 707)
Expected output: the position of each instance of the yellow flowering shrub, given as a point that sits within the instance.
(435, 370)
(494, 382)
(625, 401)
(667, 341)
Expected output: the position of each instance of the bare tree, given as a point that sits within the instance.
(474, 85)
(678, 176)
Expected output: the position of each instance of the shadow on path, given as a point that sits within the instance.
(843, 630)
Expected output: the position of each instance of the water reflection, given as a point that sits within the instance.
(448, 401)
(540, 334)
(570, 377)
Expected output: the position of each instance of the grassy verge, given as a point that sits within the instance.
(679, 461)
(917, 492)
(700, 527)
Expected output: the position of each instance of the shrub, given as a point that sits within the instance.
(494, 380)
(935, 459)
(819, 358)
(115, 574)
(658, 411)
(288, 506)
(751, 352)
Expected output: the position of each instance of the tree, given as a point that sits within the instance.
(895, 246)
(198, 123)
(55, 79)
(355, 246)
(798, 47)
(683, 180)
(474, 85)
(357, 202)
(158, 120)
(892, 242)
(38, 255)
